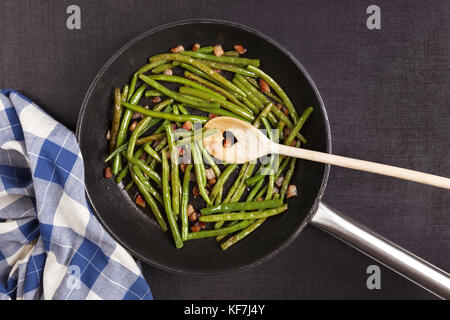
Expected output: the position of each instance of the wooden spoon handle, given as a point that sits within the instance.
(362, 165)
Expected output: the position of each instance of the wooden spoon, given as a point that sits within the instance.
(252, 144)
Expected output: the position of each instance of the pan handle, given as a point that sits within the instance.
(382, 250)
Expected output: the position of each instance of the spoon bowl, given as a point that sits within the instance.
(251, 143)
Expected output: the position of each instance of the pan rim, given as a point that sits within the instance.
(297, 63)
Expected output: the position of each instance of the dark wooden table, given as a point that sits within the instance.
(388, 97)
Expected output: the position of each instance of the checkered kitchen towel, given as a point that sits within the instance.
(51, 245)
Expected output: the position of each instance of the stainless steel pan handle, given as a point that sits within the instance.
(384, 251)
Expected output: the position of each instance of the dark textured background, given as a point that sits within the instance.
(388, 98)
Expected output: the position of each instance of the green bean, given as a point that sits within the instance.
(269, 94)
(231, 53)
(183, 110)
(228, 67)
(122, 174)
(226, 94)
(242, 234)
(143, 69)
(200, 66)
(241, 206)
(150, 138)
(134, 136)
(127, 115)
(159, 107)
(147, 184)
(123, 128)
(220, 112)
(168, 203)
(253, 180)
(218, 232)
(153, 93)
(241, 189)
(150, 201)
(187, 82)
(299, 125)
(200, 172)
(117, 114)
(218, 199)
(224, 103)
(280, 115)
(200, 73)
(236, 184)
(253, 98)
(163, 115)
(209, 160)
(244, 215)
(165, 67)
(288, 176)
(207, 49)
(233, 60)
(147, 170)
(222, 179)
(155, 155)
(272, 83)
(175, 95)
(185, 203)
(175, 179)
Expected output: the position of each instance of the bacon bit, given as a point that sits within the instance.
(291, 191)
(276, 190)
(286, 132)
(168, 72)
(195, 191)
(135, 115)
(174, 126)
(218, 71)
(227, 143)
(190, 209)
(187, 125)
(263, 85)
(201, 224)
(240, 48)
(156, 100)
(147, 107)
(177, 49)
(108, 135)
(279, 106)
(183, 167)
(180, 151)
(192, 217)
(143, 157)
(285, 110)
(107, 173)
(259, 199)
(279, 181)
(210, 174)
(196, 46)
(213, 115)
(294, 143)
(218, 51)
(211, 183)
(133, 126)
(140, 201)
(195, 228)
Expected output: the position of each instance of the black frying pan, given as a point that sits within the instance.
(137, 231)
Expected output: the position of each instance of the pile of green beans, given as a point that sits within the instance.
(156, 152)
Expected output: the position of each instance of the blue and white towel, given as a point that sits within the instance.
(51, 245)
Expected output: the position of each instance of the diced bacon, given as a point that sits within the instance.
(218, 51)
(240, 49)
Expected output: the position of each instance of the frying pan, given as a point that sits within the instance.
(137, 231)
